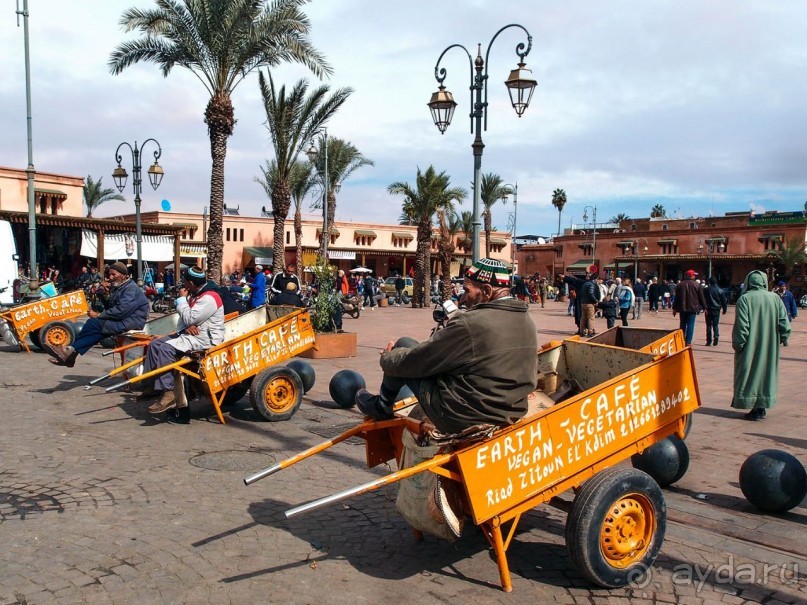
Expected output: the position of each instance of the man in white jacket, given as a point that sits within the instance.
(201, 326)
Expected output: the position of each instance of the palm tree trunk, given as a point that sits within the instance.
(298, 242)
(421, 263)
(220, 118)
(281, 202)
(446, 254)
(487, 233)
(559, 223)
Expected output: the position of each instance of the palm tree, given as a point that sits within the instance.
(430, 194)
(491, 190)
(466, 220)
(449, 223)
(405, 219)
(220, 42)
(301, 181)
(559, 201)
(793, 252)
(618, 218)
(658, 211)
(95, 195)
(343, 160)
(293, 119)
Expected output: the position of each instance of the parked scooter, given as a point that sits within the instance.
(352, 305)
(166, 302)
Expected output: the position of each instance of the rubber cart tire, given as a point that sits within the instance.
(56, 334)
(276, 393)
(34, 338)
(236, 392)
(616, 526)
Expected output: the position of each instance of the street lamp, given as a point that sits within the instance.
(594, 236)
(506, 191)
(711, 248)
(520, 85)
(155, 173)
(312, 154)
(636, 256)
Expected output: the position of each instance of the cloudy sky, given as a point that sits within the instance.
(698, 105)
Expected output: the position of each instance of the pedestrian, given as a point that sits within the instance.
(625, 296)
(640, 293)
(760, 327)
(369, 294)
(257, 289)
(400, 284)
(588, 295)
(609, 311)
(542, 290)
(688, 302)
(715, 301)
(789, 300)
(653, 294)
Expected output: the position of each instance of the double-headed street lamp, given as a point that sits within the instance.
(710, 242)
(313, 154)
(155, 173)
(520, 85)
(636, 255)
(594, 236)
(507, 190)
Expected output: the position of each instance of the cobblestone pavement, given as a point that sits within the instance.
(101, 503)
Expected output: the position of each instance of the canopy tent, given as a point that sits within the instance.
(155, 248)
(361, 270)
(258, 255)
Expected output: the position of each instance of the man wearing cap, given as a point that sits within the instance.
(715, 301)
(201, 326)
(479, 369)
(257, 289)
(281, 279)
(128, 310)
(789, 300)
(688, 302)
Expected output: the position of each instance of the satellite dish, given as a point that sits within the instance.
(541, 240)
(165, 205)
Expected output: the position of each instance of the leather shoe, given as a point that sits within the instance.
(148, 394)
(179, 415)
(165, 402)
(372, 406)
(755, 414)
(715, 342)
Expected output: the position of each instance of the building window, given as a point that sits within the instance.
(693, 225)
(772, 244)
(288, 237)
(664, 227)
(242, 235)
(559, 252)
(633, 227)
(669, 247)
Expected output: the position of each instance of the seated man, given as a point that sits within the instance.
(128, 310)
(201, 326)
(479, 369)
(289, 297)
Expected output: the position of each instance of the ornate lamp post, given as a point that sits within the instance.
(636, 256)
(508, 189)
(119, 175)
(520, 85)
(594, 225)
(710, 242)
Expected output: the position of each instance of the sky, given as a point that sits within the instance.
(697, 105)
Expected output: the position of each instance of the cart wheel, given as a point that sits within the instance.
(236, 392)
(276, 393)
(616, 526)
(34, 338)
(688, 425)
(56, 334)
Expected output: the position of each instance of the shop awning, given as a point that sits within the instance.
(155, 248)
(259, 255)
(51, 192)
(674, 242)
(580, 266)
(334, 232)
(776, 236)
(364, 232)
(498, 241)
(403, 235)
(194, 250)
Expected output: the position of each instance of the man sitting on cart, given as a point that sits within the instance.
(128, 310)
(201, 326)
(479, 369)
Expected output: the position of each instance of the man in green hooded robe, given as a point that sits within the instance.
(760, 327)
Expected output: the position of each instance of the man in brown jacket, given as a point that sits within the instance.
(479, 369)
(689, 301)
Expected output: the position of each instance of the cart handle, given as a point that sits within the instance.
(117, 371)
(372, 485)
(120, 349)
(171, 366)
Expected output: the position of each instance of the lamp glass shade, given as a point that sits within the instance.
(442, 106)
(520, 85)
(155, 175)
(312, 153)
(119, 175)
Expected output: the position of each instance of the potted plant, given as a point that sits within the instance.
(329, 342)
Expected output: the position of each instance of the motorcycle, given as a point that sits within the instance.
(352, 305)
(166, 302)
(803, 302)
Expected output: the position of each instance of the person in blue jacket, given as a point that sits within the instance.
(789, 300)
(128, 310)
(257, 289)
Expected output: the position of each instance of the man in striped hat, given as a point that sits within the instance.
(479, 369)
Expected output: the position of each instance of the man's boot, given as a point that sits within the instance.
(179, 415)
(166, 401)
(373, 405)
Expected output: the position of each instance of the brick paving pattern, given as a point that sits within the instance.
(101, 503)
